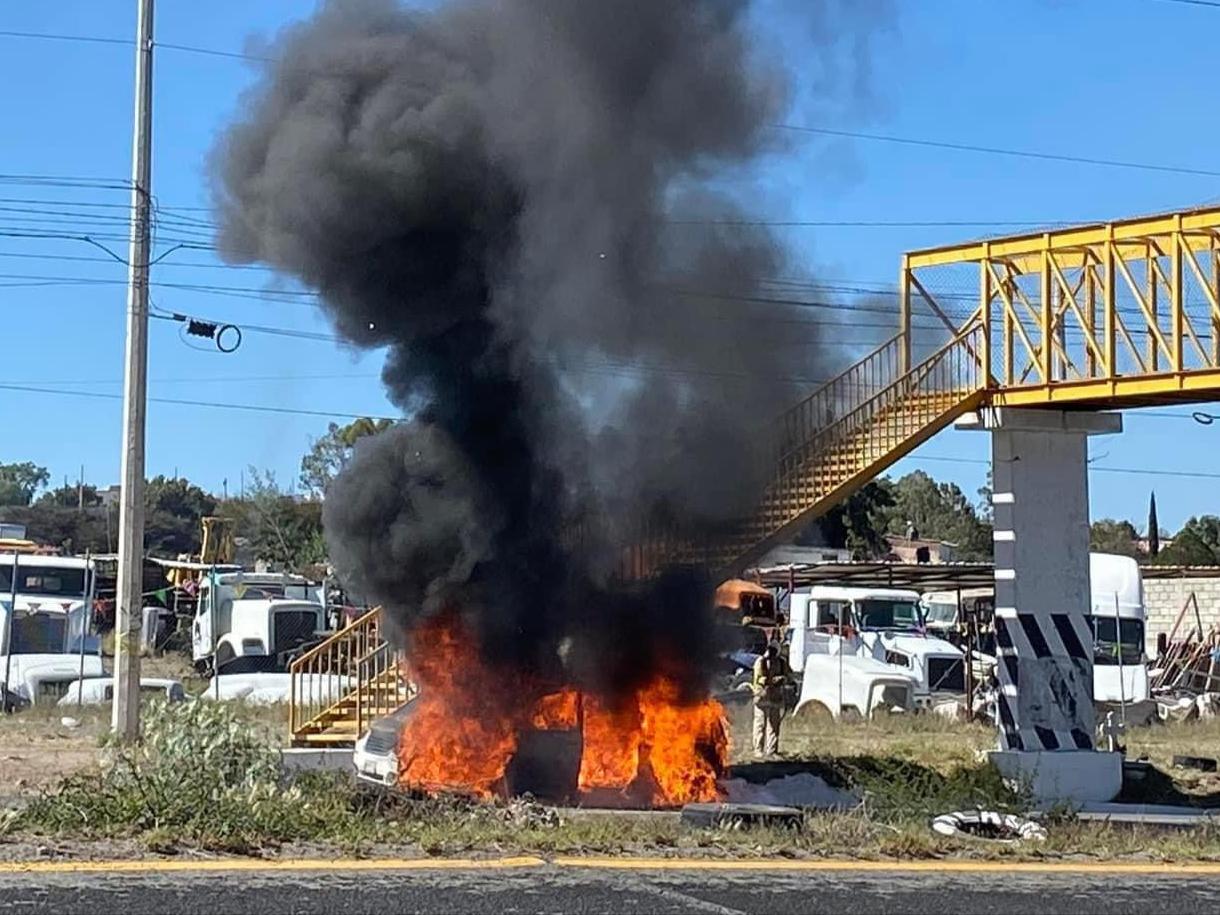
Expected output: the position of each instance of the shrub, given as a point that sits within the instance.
(199, 772)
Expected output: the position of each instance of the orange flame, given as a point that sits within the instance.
(463, 732)
(558, 711)
(457, 739)
(687, 745)
(610, 759)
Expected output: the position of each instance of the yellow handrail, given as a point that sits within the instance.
(327, 679)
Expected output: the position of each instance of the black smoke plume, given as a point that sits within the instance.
(519, 198)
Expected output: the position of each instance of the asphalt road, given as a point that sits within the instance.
(573, 889)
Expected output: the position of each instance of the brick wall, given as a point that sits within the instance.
(1163, 600)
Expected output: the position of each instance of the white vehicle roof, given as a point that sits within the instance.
(1115, 586)
(49, 562)
(257, 578)
(830, 592)
(950, 597)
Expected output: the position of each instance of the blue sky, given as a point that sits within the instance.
(1121, 80)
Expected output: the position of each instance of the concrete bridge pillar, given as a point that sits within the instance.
(1044, 640)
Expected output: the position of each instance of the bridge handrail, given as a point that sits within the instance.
(905, 384)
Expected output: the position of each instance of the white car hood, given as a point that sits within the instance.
(270, 688)
(917, 646)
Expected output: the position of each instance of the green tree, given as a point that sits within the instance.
(856, 524)
(1187, 549)
(19, 482)
(1206, 528)
(1196, 544)
(1109, 536)
(986, 492)
(72, 496)
(280, 529)
(330, 453)
(940, 511)
(96, 528)
(173, 508)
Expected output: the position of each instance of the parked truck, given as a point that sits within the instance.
(877, 640)
(48, 642)
(1116, 596)
(253, 622)
(1120, 666)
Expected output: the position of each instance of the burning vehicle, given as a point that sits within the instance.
(519, 204)
(651, 750)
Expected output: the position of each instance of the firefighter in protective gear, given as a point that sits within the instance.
(769, 685)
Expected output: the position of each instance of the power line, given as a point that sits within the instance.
(99, 39)
(1141, 471)
(221, 379)
(213, 52)
(1211, 3)
(170, 215)
(863, 223)
(49, 36)
(68, 181)
(256, 408)
(1000, 151)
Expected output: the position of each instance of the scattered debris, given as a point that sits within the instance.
(527, 812)
(802, 789)
(70, 723)
(740, 816)
(1190, 664)
(1202, 763)
(988, 826)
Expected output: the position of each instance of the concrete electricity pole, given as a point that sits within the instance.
(125, 720)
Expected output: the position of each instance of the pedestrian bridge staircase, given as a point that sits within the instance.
(1114, 315)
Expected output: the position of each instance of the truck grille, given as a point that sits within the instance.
(51, 691)
(946, 675)
(292, 628)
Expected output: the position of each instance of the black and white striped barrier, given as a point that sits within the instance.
(1044, 640)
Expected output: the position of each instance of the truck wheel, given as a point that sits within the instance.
(812, 712)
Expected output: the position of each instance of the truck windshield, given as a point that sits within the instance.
(944, 614)
(47, 581)
(885, 613)
(1105, 646)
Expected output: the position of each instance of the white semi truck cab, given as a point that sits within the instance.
(50, 619)
(254, 621)
(1120, 667)
(885, 626)
(1116, 594)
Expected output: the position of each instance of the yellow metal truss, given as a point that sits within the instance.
(1115, 315)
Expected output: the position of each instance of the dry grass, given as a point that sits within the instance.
(928, 740)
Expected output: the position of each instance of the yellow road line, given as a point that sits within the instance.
(356, 865)
(228, 865)
(927, 866)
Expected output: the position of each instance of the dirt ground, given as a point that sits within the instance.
(40, 746)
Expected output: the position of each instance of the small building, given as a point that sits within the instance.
(791, 554)
(917, 550)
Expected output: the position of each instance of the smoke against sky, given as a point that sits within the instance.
(519, 199)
